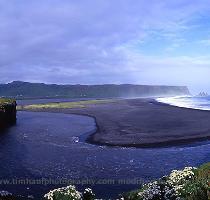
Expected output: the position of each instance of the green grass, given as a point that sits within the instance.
(204, 171)
(64, 105)
(199, 187)
(6, 101)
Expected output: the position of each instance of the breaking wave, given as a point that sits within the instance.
(193, 102)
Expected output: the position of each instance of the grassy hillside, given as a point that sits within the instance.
(37, 90)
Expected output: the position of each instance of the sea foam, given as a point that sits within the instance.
(193, 102)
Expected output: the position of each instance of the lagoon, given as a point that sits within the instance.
(52, 146)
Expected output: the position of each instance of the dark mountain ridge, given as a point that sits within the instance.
(19, 89)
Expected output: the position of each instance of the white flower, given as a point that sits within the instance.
(178, 178)
(69, 191)
(4, 193)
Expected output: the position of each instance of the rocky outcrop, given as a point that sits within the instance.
(203, 94)
(7, 113)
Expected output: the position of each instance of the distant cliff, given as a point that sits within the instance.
(20, 89)
(7, 113)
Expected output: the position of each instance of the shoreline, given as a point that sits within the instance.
(143, 123)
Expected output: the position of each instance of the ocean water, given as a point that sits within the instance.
(194, 102)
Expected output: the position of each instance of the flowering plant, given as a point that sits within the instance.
(69, 193)
(179, 178)
(187, 184)
(64, 193)
(88, 194)
(157, 190)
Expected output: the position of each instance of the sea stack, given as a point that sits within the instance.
(7, 113)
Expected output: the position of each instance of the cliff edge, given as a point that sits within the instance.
(18, 89)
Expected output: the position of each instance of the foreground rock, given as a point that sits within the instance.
(7, 113)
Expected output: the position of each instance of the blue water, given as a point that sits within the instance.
(201, 103)
(47, 145)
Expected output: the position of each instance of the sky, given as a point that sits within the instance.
(155, 42)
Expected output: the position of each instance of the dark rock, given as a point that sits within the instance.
(7, 113)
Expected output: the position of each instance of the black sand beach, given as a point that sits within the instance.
(144, 123)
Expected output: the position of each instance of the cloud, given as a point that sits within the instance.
(205, 42)
(93, 41)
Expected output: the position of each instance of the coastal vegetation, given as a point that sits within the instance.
(70, 193)
(64, 105)
(5, 101)
(187, 184)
